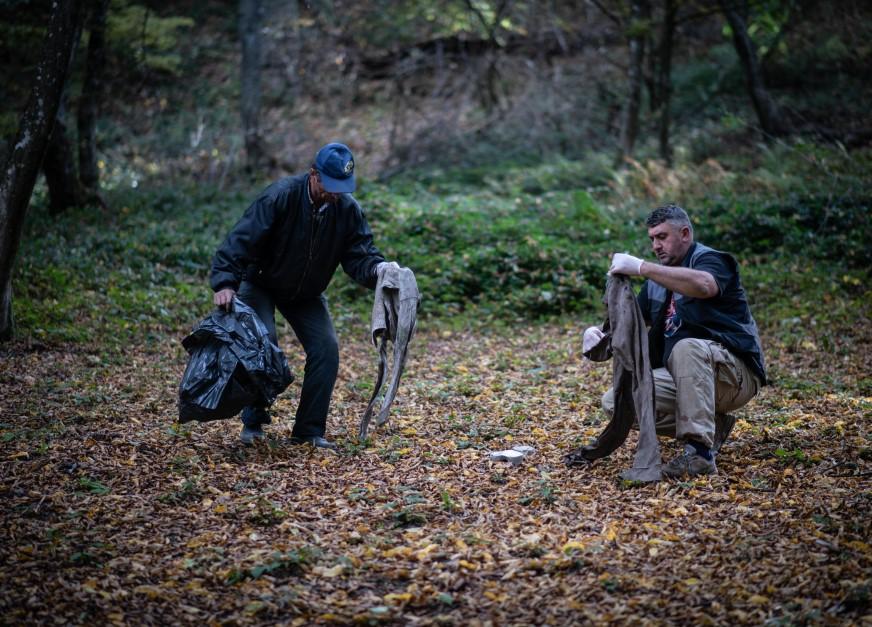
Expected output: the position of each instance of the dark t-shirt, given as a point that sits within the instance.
(725, 318)
(674, 328)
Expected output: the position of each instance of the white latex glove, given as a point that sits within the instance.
(592, 337)
(622, 263)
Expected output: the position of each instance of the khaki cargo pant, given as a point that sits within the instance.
(701, 379)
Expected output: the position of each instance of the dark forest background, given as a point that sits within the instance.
(507, 147)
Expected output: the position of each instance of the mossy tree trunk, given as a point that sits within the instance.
(28, 149)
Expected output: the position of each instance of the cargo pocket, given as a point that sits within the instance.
(728, 379)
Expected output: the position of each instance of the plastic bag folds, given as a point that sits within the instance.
(233, 364)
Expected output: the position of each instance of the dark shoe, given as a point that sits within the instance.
(690, 464)
(314, 440)
(250, 434)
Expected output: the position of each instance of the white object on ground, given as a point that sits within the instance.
(523, 448)
(514, 455)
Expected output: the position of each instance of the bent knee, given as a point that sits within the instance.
(325, 350)
(689, 351)
(690, 346)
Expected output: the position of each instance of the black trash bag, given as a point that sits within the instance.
(233, 364)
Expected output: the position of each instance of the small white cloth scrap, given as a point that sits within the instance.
(514, 455)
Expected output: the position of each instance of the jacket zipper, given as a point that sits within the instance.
(311, 254)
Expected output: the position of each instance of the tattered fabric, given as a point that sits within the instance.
(626, 340)
(394, 319)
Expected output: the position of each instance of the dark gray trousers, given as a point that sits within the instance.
(312, 325)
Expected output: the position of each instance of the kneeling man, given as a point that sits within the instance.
(703, 341)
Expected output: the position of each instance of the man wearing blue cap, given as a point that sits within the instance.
(281, 255)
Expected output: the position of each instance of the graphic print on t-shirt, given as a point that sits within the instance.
(673, 320)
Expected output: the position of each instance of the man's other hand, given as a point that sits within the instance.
(622, 263)
(592, 337)
(223, 299)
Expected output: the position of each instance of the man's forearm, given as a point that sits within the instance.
(684, 281)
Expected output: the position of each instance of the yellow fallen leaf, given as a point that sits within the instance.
(494, 596)
(333, 571)
(152, 592)
(397, 599)
(758, 599)
(401, 551)
(573, 545)
(859, 546)
(692, 581)
(424, 553)
(467, 565)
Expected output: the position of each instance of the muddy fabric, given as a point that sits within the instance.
(626, 340)
(394, 319)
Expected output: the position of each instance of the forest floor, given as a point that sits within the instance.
(115, 514)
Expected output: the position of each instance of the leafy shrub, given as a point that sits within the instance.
(525, 255)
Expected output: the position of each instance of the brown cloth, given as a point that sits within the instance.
(626, 339)
(394, 319)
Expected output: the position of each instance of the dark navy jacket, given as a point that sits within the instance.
(726, 318)
(286, 246)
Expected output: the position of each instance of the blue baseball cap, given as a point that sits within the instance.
(336, 167)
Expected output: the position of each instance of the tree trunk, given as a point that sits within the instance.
(60, 168)
(664, 79)
(770, 117)
(630, 123)
(250, 17)
(92, 91)
(652, 70)
(22, 165)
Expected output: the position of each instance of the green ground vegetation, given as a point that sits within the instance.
(487, 248)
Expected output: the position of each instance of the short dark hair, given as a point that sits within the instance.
(671, 213)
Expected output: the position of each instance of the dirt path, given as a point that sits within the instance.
(113, 515)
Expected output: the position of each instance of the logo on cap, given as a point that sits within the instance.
(349, 167)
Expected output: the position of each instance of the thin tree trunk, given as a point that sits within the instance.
(92, 91)
(770, 117)
(60, 168)
(250, 17)
(652, 74)
(22, 165)
(630, 123)
(664, 79)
